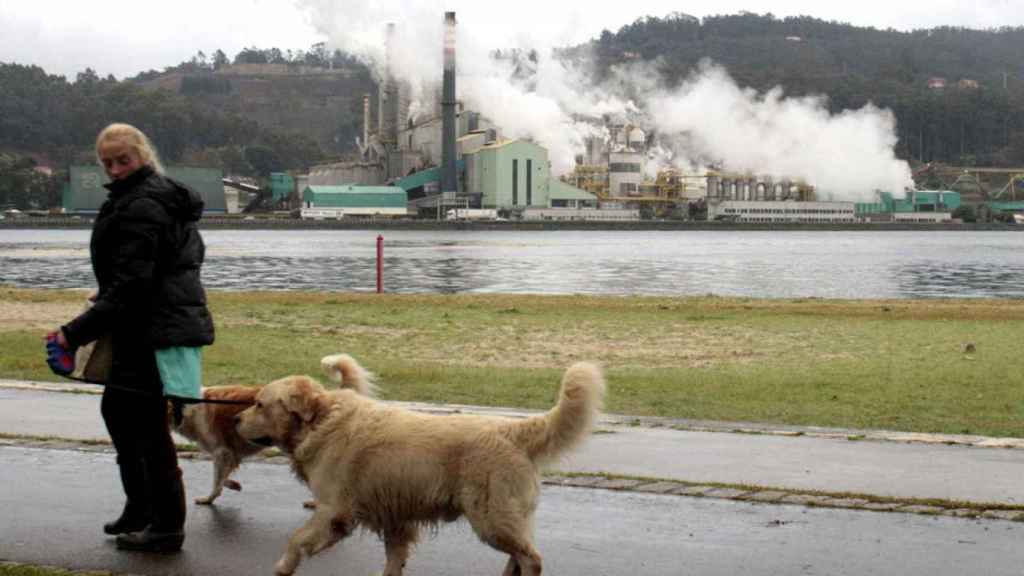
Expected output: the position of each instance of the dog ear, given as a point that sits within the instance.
(303, 398)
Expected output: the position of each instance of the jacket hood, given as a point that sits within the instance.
(180, 201)
(183, 202)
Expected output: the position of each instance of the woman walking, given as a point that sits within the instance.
(146, 254)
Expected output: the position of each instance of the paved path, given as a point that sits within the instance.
(55, 500)
(60, 485)
(816, 460)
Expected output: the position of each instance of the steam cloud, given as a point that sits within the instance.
(846, 156)
(555, 102)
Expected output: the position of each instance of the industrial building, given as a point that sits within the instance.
(400, 145)
(749, 187)
(782, 211)
(515, 173)
(450, 158)
(626, 161)
(918, 206)
(84, 193)
(332, 202)
(589, 214)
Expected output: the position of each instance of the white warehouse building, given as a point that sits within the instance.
(782, 211)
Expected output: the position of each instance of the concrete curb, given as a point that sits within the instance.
(57, 569)
(659, 486)
(613, 420)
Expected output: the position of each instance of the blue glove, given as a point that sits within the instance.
(60, 359)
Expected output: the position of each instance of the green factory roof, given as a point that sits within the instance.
(424, 177)
(355, 196)
(419, 179)
(561, 191)
(1007, 206)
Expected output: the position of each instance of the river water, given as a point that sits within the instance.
(772, 264)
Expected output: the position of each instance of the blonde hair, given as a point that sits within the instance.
(133, 138)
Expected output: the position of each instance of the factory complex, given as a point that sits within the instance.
(450, 162)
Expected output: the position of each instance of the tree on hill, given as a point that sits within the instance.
(220, 59)
(251, 56)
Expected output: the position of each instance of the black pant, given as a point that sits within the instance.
(138, 427)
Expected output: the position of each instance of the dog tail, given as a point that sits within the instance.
(347, 373)
(547, 436)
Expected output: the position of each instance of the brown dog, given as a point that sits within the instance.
(212, 426)
(392, 470)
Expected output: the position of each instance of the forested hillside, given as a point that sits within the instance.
(314, 92)
(264, 111)
(976, 119)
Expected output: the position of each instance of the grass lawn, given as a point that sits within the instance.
(898, 364)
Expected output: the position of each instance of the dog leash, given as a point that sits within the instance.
(171, 397)
(62, 362)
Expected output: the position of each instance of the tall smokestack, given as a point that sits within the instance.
(387, 110)
(449, 183)
(366, 120)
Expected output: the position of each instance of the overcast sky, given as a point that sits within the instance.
(124, 38)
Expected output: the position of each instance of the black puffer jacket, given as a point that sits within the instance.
(146, 254)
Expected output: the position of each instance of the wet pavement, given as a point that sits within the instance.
(55, 501)
(624, 503)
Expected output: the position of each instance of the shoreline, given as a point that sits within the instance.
(259, 223)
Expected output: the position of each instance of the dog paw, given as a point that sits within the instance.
(309, 504)
(283, 567)
(232, 485)
(205, 500)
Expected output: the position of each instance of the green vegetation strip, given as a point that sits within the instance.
(936, 366)
(776, 495)
(20, 569)
(184, 449)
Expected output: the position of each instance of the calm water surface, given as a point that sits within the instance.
(783, 264)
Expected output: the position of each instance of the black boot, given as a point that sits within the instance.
(152, 539)
(166, 531)
(136, 514)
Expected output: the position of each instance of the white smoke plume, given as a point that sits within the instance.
(708, 119)
(846, 156)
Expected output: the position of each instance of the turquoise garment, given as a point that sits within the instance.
(181, 371)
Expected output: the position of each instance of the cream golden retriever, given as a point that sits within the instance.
(392, 470)
(212, 426)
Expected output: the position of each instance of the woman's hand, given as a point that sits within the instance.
(58, 357)
(59, 335)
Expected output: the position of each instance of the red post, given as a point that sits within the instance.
(380, 264)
